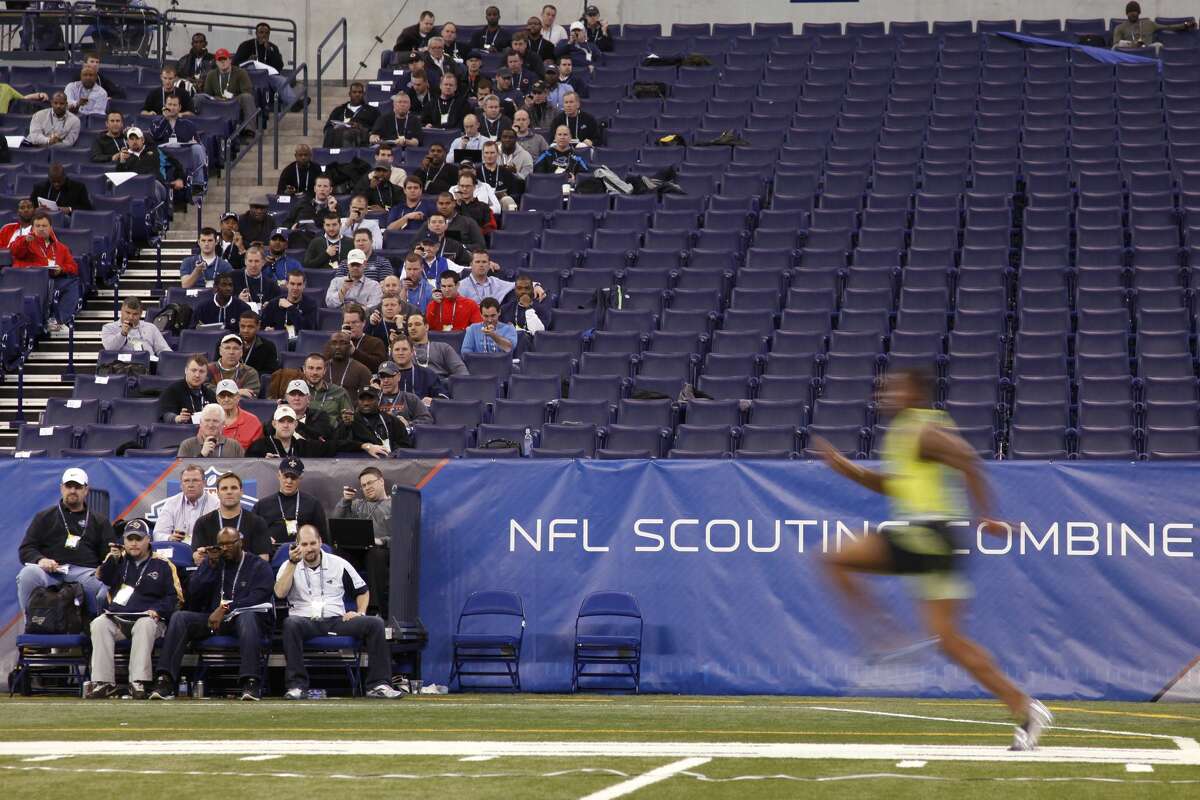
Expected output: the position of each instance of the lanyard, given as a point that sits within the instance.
(281, 511)
(253, 296)
(379, 195)
(301, 183)
(254, 344)
(401, 127)
(492, 129)
(435, 175)
(341, 382)
(492, 181)
(236, 526)
(442, 312)
(283, 454)
(141, 573)
(223, 80)
(233, 588)
(350, 113)
(308, 571)
(222, 308)
(574, 133)
(55, 197)
(375, 430)
(46, 248)
(63, 516)
(495, 36)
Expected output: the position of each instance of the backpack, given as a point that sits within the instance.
(649, 89)
(173, 318)
(55, 609)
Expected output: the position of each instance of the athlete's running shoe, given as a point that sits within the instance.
(1026, 735)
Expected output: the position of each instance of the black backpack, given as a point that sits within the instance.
(55, 609)
(173, 318)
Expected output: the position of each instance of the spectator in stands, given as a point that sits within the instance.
(556, 89)
(276, 261)
(568, 76)
(357, 219)
(86, 97)
(230, 82)
(306, 211)
(231, 245)
(440, 357)
(256, 224)
(223, 308)
(354, 286)
(402, 127)
(229, 367)
(209, 442)
(284, 443)
(371, 431)
(234, 590)
(262, 50)
(447, 109)
(386, 323)
(1137, 33)
(518, 72)
(502, 180)
(473, 77)
(438, 63)
(435, 174)
(448, 311)
(541, 47)
(528, 139)
(171, 129)
(415, 37)
(195, 64)
(409, 214)
(290, 509)
(514, 161)
(367, 350)
(21, 226)
(376, 267)
(41, 248)
(350, 124)
(187, 397)
(398, 401)
(64, 192)
(597, 29)
(561, 158)
(129, 334)
(205, 533)
(461, 226)
(143, 592)
(196, 271)
(392, 286)
(375, 505)
(537, 105)
(54, 126)
(419, 95)
(141, 158)
(490, 335)
(583, 127)
(319, 610)
(179, 512)
(111, 146)
(579, 48)
(478, 283)
(377, 187)
(491, 38)
(65, 544)
(415, 378)
(300, 176)
(92, 59)
(255, 286)
(492, 121)
(532, 64)
(418, 290)
(331, 248)
(455, 50)
(550, 28)
(320, 404)
(170, 86)
(257, 352)
(470, 139)
(439, 251)
(9, 95)
(294, 311)
(385, 154)
(348, 372)
(522, 309)
(511, 97)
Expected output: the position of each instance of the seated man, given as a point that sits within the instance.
(411, 377)
(438, 251)
(65, 544)
(344, 370)
(410, 212)
(434, 173)
(350, 123)
(561, 158)
(257, 353)
(375, 267)
(231, 513)
(294, 312)
(447, 109)
(231, 245)
(502, 179)
(54, 126)
(521, 309)
(393, 398)
(402, 127)
(253, 283)
(144, 592)
(142, 158)
(170, 86)
(326, 252)
(318, 403)
(387, 322)
(240, 426)
(187, 396)
(234, 588)
(491, 38)
(256, 224)
(290, 509)
(196, 271)
(195, 64)
(111, 146)
(223, 308)
(209, 441)
(368, 350)
(173, 129)
(470, 139)
(440, 357)
(41, 248)
(230, 367)
(418, 290)
(475, 201)
(86, 97)
(584, 128)
(1138, 34)
(22, 226)
(354, 287)
(528, 139)
(448, 311)
(300, 176)
(371, 431)
(493, 121)
(478, 283)
(129, 334)
(377, 187)
(584, 54)
(317, 608)
(62, 191)
(283, 441)
(375, 505)
(178, 514)
(461, 226)
(230, 82)
(385, 154)
(357, 220)
(491, 335)
(261, 50)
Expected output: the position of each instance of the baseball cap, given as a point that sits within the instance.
(284, 411)
(227, 387)
(75, 475)
(504, 72)
(229, 215)
(134, 131)
(414, 55)
(591, 11)
(291, 466)
(137, 529)
(356, 256)
(368, 390)
(280, 233)
(222, 53)
(297, 385)
(552, 68)
(259, 200)
(389, 368)
(538, 86)
(576, 25)
(473, 54)
(379, 165)
(231, 337)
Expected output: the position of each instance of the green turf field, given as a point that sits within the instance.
(540, 746)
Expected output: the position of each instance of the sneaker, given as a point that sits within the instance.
(1026, 735)
(137, 690)
(295, 693)
(250, 689)
(164, 689)
(385, 692)
(55, 325)
(101, 691)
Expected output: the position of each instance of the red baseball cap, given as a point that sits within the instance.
(222, 53)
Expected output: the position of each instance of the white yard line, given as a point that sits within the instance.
(641, 781)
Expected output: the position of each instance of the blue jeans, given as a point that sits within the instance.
(282, 86)
(32, 577)
(187, 626)
(67, 288)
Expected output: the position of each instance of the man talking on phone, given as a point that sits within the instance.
(316, 585)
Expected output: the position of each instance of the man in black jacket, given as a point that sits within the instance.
(256, 224)
(492, 38)
(402, 126)
(69, 195)
(264, 51)
(257, 352)
(170, 86)
(185, 398)
(286, 511)
(371, 431)
(197, 61)
(230, 514)
(446, 111)
(65, 544)
(311, 423)
(415, 37)
(349, 124)
(111, 147)
(584, 128)
(299, 176)
(434, 173)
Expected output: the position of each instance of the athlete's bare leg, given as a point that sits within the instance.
(868, 554)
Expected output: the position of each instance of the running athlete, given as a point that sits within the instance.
(926, 465)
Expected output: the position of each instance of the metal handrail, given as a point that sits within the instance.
(321, 64)
(215, 19)
(89, 12)
(279, 112)
(230, 163)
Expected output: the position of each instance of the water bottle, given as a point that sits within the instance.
(183, 686)
(198, 690)
(527, 446)
(316, 694)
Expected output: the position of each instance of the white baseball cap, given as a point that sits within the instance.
(298, 386)
(356, 257)
(75, 475)
(577, 25)
(227, 386)
(285, 411)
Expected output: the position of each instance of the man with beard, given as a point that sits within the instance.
(367, 350)
(491, 38)
(22, 226)
(319, 403)
(376, 185)
(522, 309)
(343, 369)
(300, 176)
(276, 261)
(540, 47)
(197, 61)
(256, 224)
(54, 126)
(350, 123)
(61, 190)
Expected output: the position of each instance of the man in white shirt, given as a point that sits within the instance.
(354, 287)
(470, 140)
(180, 511)
(86, 96)
(315, 585)
(54, 126)
(357, 220)
(551, 30)
(130, 334)
(479, 283)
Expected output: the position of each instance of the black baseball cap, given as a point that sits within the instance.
(291, 466)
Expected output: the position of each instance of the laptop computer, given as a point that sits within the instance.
(349, 533)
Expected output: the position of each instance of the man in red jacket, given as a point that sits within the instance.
(450, 311)
(41, 248)
(21, 226)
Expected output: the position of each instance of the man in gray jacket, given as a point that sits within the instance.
(130, 334)
(54, 126)
(375, 505)
(209, 441)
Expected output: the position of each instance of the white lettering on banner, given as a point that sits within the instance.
(1092, 536)
(1168, 540)
(1050, 537)
(514, 528)
(1128, 533)
(637, 529)
(675, 545)
(737, 534)
(982, 541)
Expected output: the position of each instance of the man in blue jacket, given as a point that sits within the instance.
(236, 587)
(143, 592)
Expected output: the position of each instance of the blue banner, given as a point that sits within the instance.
(1091, 596)
(1101, 54)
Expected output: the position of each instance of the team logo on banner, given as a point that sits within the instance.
(249, 491)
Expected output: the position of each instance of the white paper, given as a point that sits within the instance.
(255, 307)
(101, 380)
(259, 65)
(22, 454)
(117, 178)
(74, 404)
(285, 198)
(15, 141)
(193, 292)
(164, 552)
(47, 203)
(333, 151)
(46, 431)
(126, 357)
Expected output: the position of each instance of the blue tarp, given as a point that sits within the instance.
(1102, 54)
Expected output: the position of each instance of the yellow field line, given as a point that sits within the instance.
(1062, 708)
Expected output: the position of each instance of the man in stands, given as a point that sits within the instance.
(410, 213)
(229, 367)
(448, 311)
(511, 96)
(231, 513)
(54, 126)
(518, 72)
(541, 48)
(143, 592)
(129, 334)
(455, 50)
(522, 309)
(256, 224)
(356, 220)
(354, 286)
(375, 505)
(262, 50)
(171, 129)
(447, 109)
(178, 514)
(528, 139)
(65, 544)
(413, 378)
(514, 161)
(69, 195)
(231, 245)
(306, 211)
(92, 59)
(290, 509)
(490, 335)
(465, 228)
(440, 357)
(295, 311)
(470, 139)
(419, 95)
(550, 28)
(344, 370)
(434, 173)
(478, 283)
(597, 29)
(1138, 34)
(195, 64)
(377, 187)
(386, 154)
(415, 37)
(327, 251)
(437, 63)
(171, 86)
(582, 52)
(387, 322)
(223, 308)
(493, 121)
(316, 610)
(240, 426)
(276, 261)
(41, 248)
(399, 401)
(438, 251)
(556, 90)
(569, 76)
(319, 403)
(22, 226)
(255, 286)
(196, 271)
(283, 441)
(371, 431)
(300, 176)
(143, 159)
(491, 38)
(501, 179)
(471, 81)
(257, 353)
(86, 97)
(188, 396)
(367, 350)
(350, 123)
(209, 442)
(230, 82)
(111, 146)
(532, 64)
(234, 589)
(475, 201)
(537, 105)
(583, 127)
(561, 158)
(418, 290)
